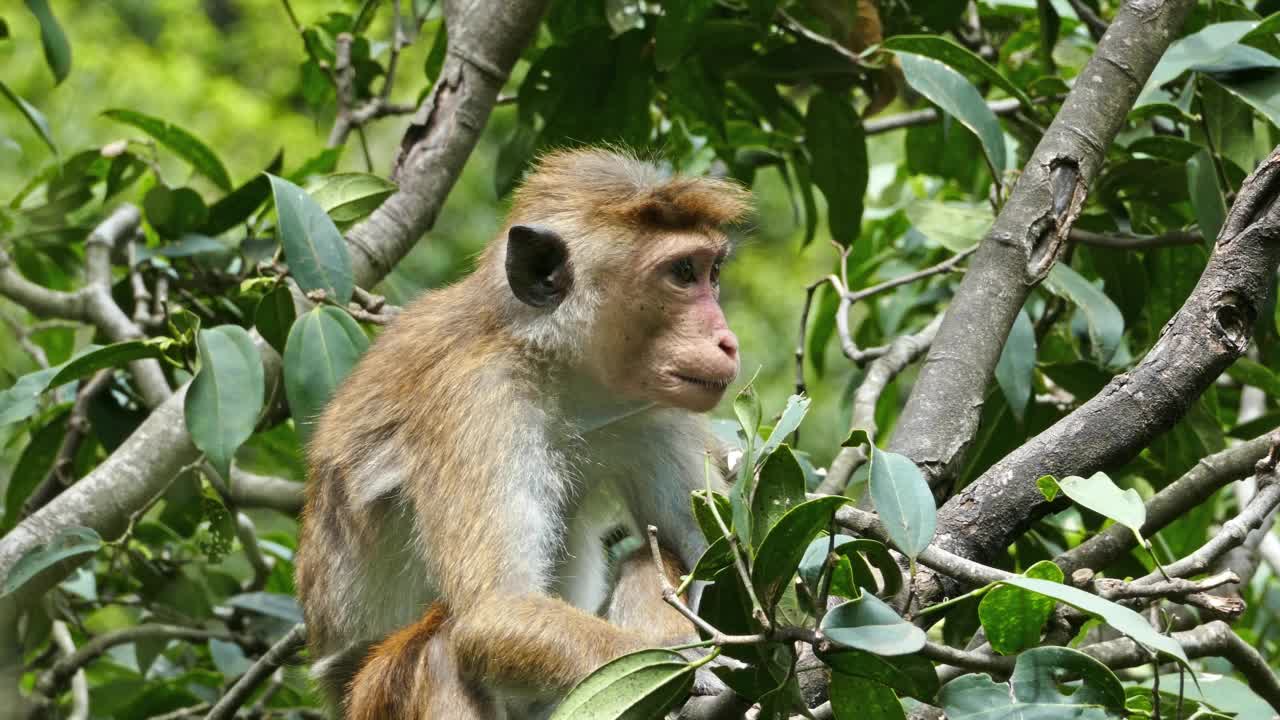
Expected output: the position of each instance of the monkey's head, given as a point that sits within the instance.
(615, 267)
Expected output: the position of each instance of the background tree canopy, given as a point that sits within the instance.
(1053, 499)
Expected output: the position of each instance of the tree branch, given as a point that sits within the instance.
(278, 655)
(1208, 333)
(942, 414)
(55, 678)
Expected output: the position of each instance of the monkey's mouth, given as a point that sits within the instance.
(715, 385)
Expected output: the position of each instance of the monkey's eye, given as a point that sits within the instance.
(684, 272)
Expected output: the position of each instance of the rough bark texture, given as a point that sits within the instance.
(485, 41)
(1207, 334)
(943, 412)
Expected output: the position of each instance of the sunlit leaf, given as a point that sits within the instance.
(639, 686)
(315, 250)
(184, 144)
(226, 396)
(903, 500)
(1013, 617)
(952, 92)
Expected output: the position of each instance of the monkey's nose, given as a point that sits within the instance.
(729, 345)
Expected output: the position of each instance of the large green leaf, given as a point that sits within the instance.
(322, 348)
(174, 211)
(67, 543)
(34, 117)
(315, 250)
(226, 396)
(184, 144)
(782, 549)
(908, 675)
(1105, 321)
(348, 197)
(20, 400)
(903, 499)
(859, 698)
(869, 624)
(1033, 692)
(118, 354)
(639, 686)
(956, 96)
(1259, 90)
(1206, 197)
(1117, 616)
(236, 206)
(1016, 369)
(837, 149)
(954, 226)
(274, 317)
(1013, 617)
(1098, 493)
(57, 51)
(958, 57)
(677, 27)
(780, 488)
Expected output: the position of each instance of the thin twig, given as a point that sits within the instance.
(55, 678)
(273, 658)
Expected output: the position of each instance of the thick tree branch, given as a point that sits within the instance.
(945, 406)
(1207, 334)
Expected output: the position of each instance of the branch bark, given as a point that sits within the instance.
(1208, 333)
(944, 409)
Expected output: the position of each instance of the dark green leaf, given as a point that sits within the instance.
(274, 317)
(1206, 196)
(909, 675)
(1034, 692)
(956, 96)
(639, 686)
(315, 250)
(903, 500)
(33, 116)
(188, 245)
(435, 58)
(269, 604)
(321, 163)
(959, 58)
(173, 212)
(1248, 371)
(36, 461)
(226, 395)
(322, 348)
(67, 543)
(859, 698)
(869, 624)
(781, 487)
(792, 415)
(1012, 617)
(783, 548)
(838, 150)
(184, 144)
(677, 28)
(114, 355)
(57, 51)
(1105, 321)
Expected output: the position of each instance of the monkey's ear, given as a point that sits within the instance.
(538, 268)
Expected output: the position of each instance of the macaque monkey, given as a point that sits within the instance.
(451, 564)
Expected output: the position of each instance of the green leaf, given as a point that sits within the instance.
(274, 317)
(1203, 48)
(717, 557)
(20, 400)
(859, 698)
(322, 348)
(226, 396)
(677, 27)
(869, 624)
(67, 543)
(1012, 617)
(57, 51)
(174, 211)
(182, 143)
(909, 675)
(33, 116)
(838, 148)
(953, 226)
(959, 58)
(349, 197)
(792, 415)
(316, 252)
(1016, 369)
(1048, 486)
(702, 513)
(1098, 493)
(236, 206)
(903, 499)
(746, 406)
(639, 686)
(785, 545)
(1261, 91)
(1033, 691)
(849, 548)
(780, 488)
(113, 355)
(36, 461)
(274, 605)
(1105, 321)
(956, 96)
(1206, 197)
(188, 245)
(1117, 616)
(1248, 371)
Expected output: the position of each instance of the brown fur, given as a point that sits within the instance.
(450, 401)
